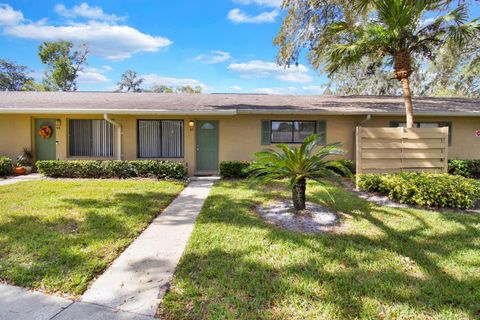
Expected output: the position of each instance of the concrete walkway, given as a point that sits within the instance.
(134, 285)
(22, 304)
(28, 177)
(138, 279)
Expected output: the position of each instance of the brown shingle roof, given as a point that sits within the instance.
(156, 103)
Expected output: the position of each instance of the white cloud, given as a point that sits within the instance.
(320, 89)
(114, 42)
(85, 11)
(259, 68)
(213, 57)
(93, 75)
(263, 3)
(235, 88)
(238, 16)
(9, 16)
(155, 79)
(277, 90)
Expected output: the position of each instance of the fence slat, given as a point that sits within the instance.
(384, 150)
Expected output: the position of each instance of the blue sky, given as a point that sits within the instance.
(222, 45)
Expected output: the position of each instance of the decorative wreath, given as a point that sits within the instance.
(45, 132)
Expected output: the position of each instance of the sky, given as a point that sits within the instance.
(220, 45)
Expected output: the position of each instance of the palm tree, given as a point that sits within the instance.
(395, 30)
(298, 164)
(130, 81)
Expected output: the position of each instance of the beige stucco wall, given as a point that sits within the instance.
(239, 136)
(15, 134)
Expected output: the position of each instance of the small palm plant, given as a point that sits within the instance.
(298, 164)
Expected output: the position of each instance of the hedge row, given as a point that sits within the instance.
(6, 166)
(465, 168)
(239, 169)
(423, 189)
(234, 169)
(111, 169)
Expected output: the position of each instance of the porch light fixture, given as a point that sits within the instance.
(58, 124)
(191, 124)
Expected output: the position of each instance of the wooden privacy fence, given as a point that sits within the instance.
(386, 150)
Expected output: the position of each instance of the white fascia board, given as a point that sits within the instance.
(115, 111)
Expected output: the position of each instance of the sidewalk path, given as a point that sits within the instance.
(137, 281)
(22, 304)
(132, 288)
(28, 177)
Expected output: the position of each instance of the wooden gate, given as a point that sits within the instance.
(386, 150)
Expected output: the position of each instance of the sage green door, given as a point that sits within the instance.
(45, 148)
(207, 147)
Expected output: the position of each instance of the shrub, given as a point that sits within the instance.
(6, 166)
(111, 169)
(234, 169)
(423, 189)
(343, 163)
(465, 168)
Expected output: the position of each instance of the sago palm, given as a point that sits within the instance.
(398, 31)
(297, 164)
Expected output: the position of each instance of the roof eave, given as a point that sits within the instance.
(226, 112)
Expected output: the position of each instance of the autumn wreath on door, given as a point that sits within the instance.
(45, 132)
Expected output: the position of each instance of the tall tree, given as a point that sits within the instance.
(395, 30)
(159, 88)
(456, 72)
(130, 82)
(189, 89)
(13, 77)
(64, 63)
(369, 77)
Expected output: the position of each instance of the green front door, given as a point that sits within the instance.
(45, 147)
(207, 147)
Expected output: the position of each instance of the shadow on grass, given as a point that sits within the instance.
(376, 267)
(64, 253)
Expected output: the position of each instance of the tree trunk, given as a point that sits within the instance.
(298, 194)
(403, 70)
(407, 97)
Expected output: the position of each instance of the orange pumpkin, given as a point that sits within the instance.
(20, 171)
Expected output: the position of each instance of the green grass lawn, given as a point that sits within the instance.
(383, 263)
(57, 236)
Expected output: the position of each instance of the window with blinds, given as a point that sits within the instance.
(160, 138)
(291, 131)
(90, 138)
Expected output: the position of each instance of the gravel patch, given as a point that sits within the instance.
(315, 219)
(376, 198)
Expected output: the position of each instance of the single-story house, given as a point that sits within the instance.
(203, 129)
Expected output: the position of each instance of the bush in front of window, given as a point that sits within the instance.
(6, 166)
(424, 189)
(234, 169)
(111, 169)
(464, 168)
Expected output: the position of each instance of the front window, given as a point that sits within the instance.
(90, 138)
(160, 138)
(291, 131)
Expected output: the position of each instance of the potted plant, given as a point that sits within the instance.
(24, 162)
